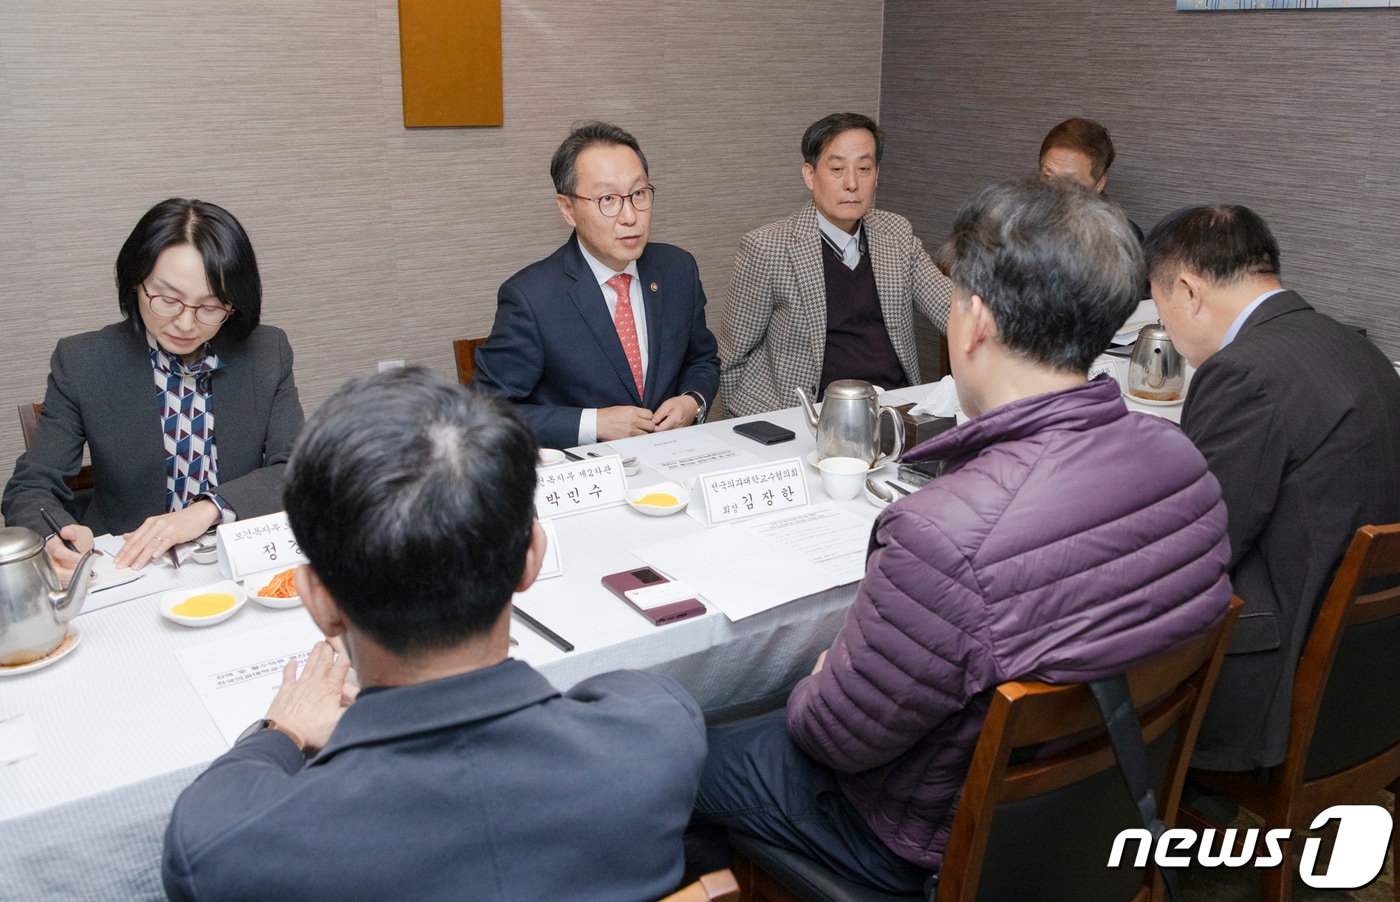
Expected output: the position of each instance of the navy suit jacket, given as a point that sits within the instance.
(1299, 419)
(554, 350)
(101, 393)
(489, 785)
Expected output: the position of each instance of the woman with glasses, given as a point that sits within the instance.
(188, 407)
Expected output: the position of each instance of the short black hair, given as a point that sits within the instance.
(825, 130)
(229, 263)
(1222, 242)
(413, 499)
(1057, 265)
(563, 166)
(1086, 136)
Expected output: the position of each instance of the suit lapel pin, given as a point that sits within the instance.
(654, 287)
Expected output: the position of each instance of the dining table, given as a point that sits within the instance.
(118, 729)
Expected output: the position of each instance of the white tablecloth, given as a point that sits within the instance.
(121, 731)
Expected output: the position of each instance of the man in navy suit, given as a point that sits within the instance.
(457, 772)
(606, 337)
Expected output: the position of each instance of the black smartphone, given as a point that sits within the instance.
(764, 432)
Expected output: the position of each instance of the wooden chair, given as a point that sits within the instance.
(1344, 727)
(718, 886)
(464, 349)
(28, 422)
(1040, 827)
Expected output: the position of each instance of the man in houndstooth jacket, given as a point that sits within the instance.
(829, 292)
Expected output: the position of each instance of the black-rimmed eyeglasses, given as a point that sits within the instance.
(611, 204)
(169, 308)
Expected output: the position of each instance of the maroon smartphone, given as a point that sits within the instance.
(643, 585)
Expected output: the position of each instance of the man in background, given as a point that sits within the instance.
(606, 337)
(456, 772)
(1299, 418)
(830, 292)
(1081, 151)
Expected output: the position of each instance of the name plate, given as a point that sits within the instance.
(575, 487)
(257, 545)
(757, 489)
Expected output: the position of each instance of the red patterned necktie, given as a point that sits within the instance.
(626, 326)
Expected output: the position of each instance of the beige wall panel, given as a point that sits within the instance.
(377, 242)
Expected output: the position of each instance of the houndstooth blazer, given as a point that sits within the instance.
(773, 333)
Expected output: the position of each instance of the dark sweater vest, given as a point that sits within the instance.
(857, 340)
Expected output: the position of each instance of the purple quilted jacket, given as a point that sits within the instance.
(1067, 540)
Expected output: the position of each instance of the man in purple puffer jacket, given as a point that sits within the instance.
(1067, 540)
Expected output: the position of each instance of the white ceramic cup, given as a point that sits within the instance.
(843, 477)
(550, 456)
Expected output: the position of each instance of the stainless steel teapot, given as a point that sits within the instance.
(34, 611)
(1155, 369)
(849, 425)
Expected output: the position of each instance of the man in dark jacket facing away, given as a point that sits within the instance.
(1068, 540)
(1299, 418)
(458, 772)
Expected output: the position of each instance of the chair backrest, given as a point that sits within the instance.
(28, 422)
(712, 887)
(464, 349)
(1044, 798)
(1346, 693)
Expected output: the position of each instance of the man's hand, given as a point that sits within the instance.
(676, 412)
(63, 560)
(159, 534)
(311, 706)
(624, 422)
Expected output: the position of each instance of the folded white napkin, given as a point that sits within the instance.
(941, 402)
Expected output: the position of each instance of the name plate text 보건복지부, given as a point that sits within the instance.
(257, 544)
(585, 485)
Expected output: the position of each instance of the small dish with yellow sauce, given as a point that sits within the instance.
(660, 500)
(204, 606)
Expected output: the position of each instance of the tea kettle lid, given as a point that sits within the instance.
(850, 389)
(17, 543)
(1154, 332)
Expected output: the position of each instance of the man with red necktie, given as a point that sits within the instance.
(606, 337)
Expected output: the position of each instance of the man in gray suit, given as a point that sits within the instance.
(828, 293)
(1298, 416)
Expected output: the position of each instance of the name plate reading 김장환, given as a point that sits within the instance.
(257, 545)
(585, 485)
(758, 489)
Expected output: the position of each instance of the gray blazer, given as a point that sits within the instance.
(773, 335)
(101, 393)
(1299, 419)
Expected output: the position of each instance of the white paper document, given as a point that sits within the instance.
(745, 569)
(684, 452)
(17, 739)
(237, 677)
(112, 586)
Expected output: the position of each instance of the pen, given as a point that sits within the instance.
(53, 524)
(557, 640)
(571, 455)
(174, 558)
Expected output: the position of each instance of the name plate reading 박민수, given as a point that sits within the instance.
(585, 485)
(257, 545)
(746, 491)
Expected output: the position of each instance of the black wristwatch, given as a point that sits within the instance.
(268, 723)
(702, 409)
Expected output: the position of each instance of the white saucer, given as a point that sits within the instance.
(1151, 403)
(811, 459)
(69, 643)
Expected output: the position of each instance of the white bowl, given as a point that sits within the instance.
(682, 496)
(170, 600)
(255, 582)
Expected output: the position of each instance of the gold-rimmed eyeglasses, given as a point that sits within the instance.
(169, 308)
(611, 204)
